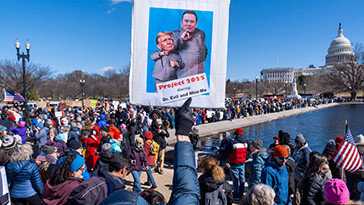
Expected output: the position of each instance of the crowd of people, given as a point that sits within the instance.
(66, 155)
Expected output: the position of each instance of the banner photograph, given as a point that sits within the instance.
(177, 52)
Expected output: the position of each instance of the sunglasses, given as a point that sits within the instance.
(283, 158)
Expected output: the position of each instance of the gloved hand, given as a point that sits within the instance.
(184, 120)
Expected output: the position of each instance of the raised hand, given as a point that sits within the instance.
(184, 120)
(186, 36)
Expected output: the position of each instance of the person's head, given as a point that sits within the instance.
(158, 122)
(280, 155)
(3, 131)
(336, 192)
(276, 140)
(119, 165)
(225, 135)
(104, 131)
(317, 164)
(164, 41)
(139, 142)
(300, 141)
(189, 21)
(75, 146)
(153, 197)
(209, 166)
(260, 194)
(330, 149)
(22, 153)
(359, 142)
(72, 166)
(256, 145)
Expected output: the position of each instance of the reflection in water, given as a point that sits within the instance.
(317, 127)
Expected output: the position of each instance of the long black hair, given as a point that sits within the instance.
(314, 164)
(63, 171)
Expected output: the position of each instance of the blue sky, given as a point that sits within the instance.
(95, 34)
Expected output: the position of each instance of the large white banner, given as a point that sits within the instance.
(179, 50)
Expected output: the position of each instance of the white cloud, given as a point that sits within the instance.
(120, 1)
(110, 11)
(107, 68)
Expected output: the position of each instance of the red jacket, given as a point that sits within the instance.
(92, 142)
(147, 145)
(237, 156)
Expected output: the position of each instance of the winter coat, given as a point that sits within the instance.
(41, 136)
(74, 134)
(276, 177)
(360, 187)
(24, 179)
(160, 138)
(21, 131)
(114, 132)
(237, 150)
(124, 197)
(313, 190)
(102, 122)
(92, 143)
(257, 165)
(86, 131)
(301, 157)
(293, 174)
(139, 157)
(222, 149)
(147, 145)
(96, 189)
(59, 194)
(61, 146)
(185, 188)
(208, 184)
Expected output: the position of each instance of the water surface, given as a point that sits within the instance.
(318, 127)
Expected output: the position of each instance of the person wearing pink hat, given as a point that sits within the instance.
(336, 192)
(20, 130)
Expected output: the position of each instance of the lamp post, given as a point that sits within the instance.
(304, 90)
(256, 87)
(234, 92)
(82, 84)
(23, 57)
(285, 87)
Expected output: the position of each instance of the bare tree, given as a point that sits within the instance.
(346, 77)
(358, 49)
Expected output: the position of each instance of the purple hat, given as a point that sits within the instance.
(336, 192)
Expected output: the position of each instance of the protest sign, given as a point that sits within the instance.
(176, 41)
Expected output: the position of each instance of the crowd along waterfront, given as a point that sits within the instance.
(317, 127)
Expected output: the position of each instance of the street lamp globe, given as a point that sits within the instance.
(17, 44)
(27, 45)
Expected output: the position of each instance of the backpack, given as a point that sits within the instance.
(216, 197)
(154, 147)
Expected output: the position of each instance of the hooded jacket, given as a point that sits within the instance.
(61, 146)
(21, 131)
(92, 142)
(257, 165)
(276, 177)
(58, 194)
(160, 138)
(301, 157)
(41, 136)
(96, 189)
(237, 150)
(24, 179)
(139, 156)
(74, 134)
(208, 184)
(147, 146)
(102, 123)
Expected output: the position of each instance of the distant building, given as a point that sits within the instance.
(277, 74)
(340, 51)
